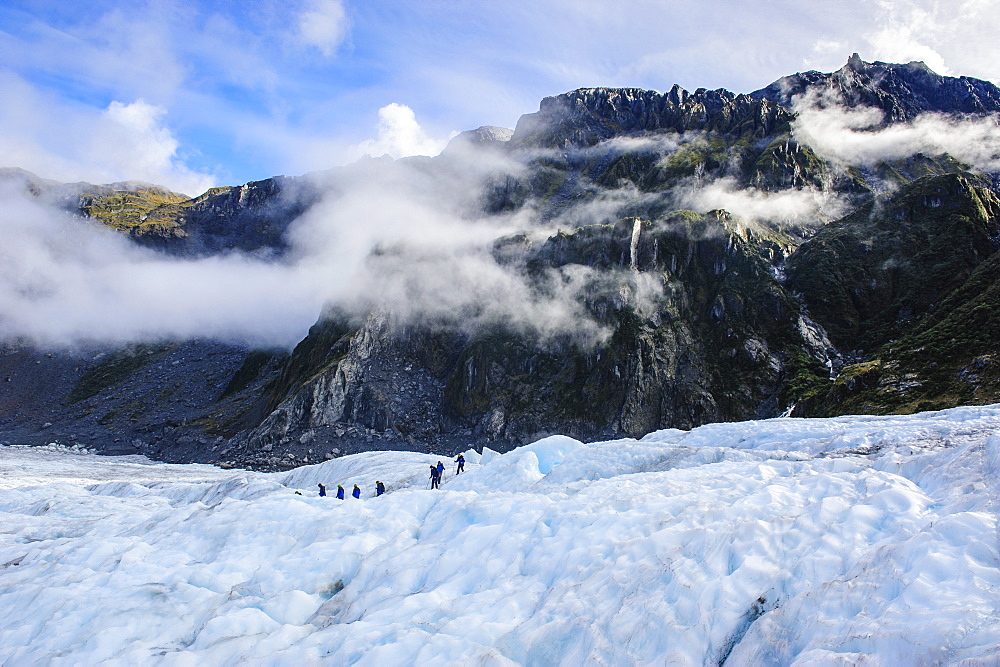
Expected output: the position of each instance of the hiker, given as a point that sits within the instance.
(461, 464)
(440, 469)
(379, 489)
(356, 492)
(322, 490)
(340, 492)
(435, 478)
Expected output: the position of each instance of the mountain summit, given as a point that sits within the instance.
(902, 91)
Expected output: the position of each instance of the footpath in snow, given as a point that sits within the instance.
(854, 540)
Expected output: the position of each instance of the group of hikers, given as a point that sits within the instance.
(379, 490)
(437, 473)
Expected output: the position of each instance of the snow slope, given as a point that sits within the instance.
(860, 540)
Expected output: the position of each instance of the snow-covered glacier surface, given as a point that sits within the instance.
(856, 540)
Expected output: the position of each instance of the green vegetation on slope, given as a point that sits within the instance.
(873, 275)
(138, 211)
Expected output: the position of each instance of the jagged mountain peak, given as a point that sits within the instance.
(902, 90)
(487, 135)
(587, 116)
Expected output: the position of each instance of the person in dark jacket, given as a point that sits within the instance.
(322, 490)
(356, 492)
(379, 488)
(340, 492)
(435, 478)
(461, 464)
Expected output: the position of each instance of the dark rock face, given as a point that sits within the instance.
(587, 116)
(911, 281)
(903, 91)
(709, 344)
(166, 400)
(873, 274)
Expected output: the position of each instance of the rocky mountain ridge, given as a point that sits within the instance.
(705, 316)
(588, 116)
(902, 91)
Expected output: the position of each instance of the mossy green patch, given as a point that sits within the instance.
(949, 358)
(137, 211)
(785, 163)
(807, 379)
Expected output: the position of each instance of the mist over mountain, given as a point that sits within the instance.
(621, 261)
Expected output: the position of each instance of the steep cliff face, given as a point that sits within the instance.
(951, 357)
(358, 385)
(910, 282)
(697, 328)
(588, 116)
(677, 136)
(872, 275)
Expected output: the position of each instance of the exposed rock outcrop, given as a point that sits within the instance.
(587, 116)
(902, 91)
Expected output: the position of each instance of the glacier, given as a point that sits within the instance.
(849, 540)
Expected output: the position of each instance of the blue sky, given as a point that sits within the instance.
(193, 94)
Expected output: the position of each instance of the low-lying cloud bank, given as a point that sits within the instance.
(854, 136)
(395, 237)
(409, 236)
(64, 281)
(791, 206)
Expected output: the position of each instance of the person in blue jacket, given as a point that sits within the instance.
(379, 488)
(356, 492)
(435, 478)
(440, 469)
(322, 490)
(461, 465)
(340, 492)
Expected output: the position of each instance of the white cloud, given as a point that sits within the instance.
(323, 25)
(388, 235)
(847, 135)
(131, 140)
(900, 44)
(656, 143)
(68, 142)
(792, 206)
(952, 38)
(400, 135)
(826, 55)
(64, 281)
